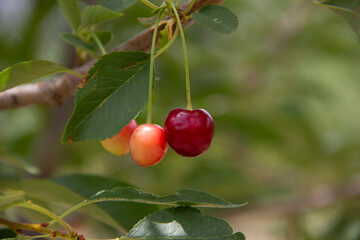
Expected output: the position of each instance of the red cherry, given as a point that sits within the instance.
(189, 132)
(148, 145)
(119, 144)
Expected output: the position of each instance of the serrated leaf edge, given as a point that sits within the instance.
(88, 78)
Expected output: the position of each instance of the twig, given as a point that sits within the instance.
(54, 92)
(44, 211)
(34, 227)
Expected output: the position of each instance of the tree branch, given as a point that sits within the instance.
(54, 92)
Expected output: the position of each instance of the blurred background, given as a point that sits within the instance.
(283, 92)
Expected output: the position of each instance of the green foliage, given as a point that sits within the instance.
(7, 158)
(7, 233)
(186, 197)
(279, 119)
(126, 214)
(90, 45)
(28, 71)
(182, 223)
(92, 15)
(76, 41)
(115, 91)
(10, 197)
(71, 12)
(348, 9)
(117, 5)
(104, 37)
(56, 195)
(217, 18)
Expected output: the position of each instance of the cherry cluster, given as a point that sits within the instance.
(188, 132)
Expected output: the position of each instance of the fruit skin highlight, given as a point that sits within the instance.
(119, 144)
(148, 145)
(189, 132)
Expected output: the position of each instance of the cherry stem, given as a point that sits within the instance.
(149, 4)
(186, 63)
(189, 7)
(168, 44)
(152, 57)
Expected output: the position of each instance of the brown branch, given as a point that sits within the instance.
(54, 92)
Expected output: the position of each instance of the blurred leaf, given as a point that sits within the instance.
(125, 213)
(181, 197)
(217, 18)
(71, 12)
(117, 5)
(97, 14)
(346, 225)
(115, 91)
(7, 233)
(163, 38)
(7, 158)
(183, 223)
(28, 71)
(348, 9)
(73, 39)
(11, 197)
(253, 128)
(76, 41)
(52, 193)
(104, 37)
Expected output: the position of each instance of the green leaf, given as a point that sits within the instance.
(18, 162)
(28, 71)
(97, 14)
(76, 41)
(348, 9)
(115, 91)
(91, 46)
(125, 213)
(52, 193)
(117, 5)
(71, 12)
(182, 223)
(217, 18)
(11, 197)
(104, 37)
(7, 233)
(181, 197)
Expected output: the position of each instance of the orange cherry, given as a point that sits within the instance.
(148, 145)
(119, 144)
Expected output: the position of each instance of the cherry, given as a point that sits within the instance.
(148, 145)
(189, 132)
(119, 144)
